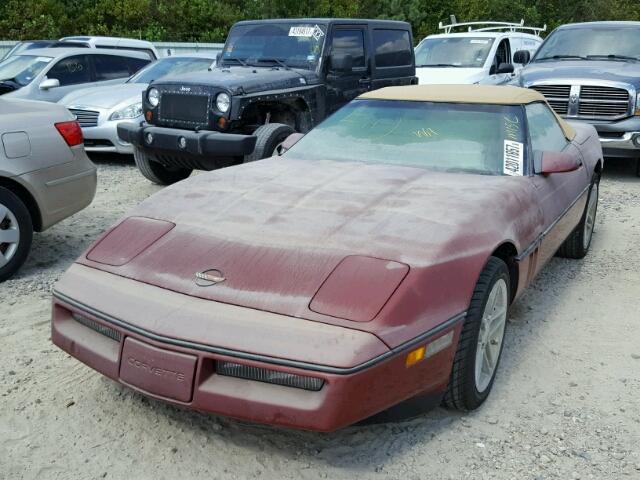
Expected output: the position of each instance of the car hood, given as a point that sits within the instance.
(626, 72)
(276, 229)
(242, 80)
(106, 97)
(434, 75)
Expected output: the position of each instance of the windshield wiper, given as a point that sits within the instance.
(239, 60)
(439, 65)
(615, 57)
(561, 57)
(274, 60)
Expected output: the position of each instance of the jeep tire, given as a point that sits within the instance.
(269, 136)
(156, 172)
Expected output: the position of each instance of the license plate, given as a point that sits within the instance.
(157, 371)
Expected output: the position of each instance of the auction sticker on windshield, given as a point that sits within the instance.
(513, 158)
(306, 31)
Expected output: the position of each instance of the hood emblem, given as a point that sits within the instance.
(208, 278)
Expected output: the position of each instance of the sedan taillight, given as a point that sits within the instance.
(71, 132)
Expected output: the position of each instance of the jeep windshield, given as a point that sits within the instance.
(452, 137)
(593, 43)
(286, 44)
(467, 52)
(22, 69)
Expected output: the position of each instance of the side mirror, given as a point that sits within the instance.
(505, 68)
(522, 57)
(289, 142)
(49, 83)
(547, 163)
(341, 62)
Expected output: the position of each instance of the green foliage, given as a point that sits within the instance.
(209, 20)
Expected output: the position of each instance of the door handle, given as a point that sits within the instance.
(364, 81)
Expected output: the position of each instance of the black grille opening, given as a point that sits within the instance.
(97, 327)
(264, 375)
(184, 108)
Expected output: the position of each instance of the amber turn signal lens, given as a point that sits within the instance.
(415, 356)
(222, 123)
(149, 116)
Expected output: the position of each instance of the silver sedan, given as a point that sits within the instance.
(45, 175)
(100, 109)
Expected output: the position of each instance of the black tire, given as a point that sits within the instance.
(18, 210)
(269, 137)
(576, 245)
(156, 172)
(462, 393)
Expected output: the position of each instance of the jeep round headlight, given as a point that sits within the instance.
(223, 102)
(154, 97)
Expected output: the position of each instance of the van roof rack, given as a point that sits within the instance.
(491, 26)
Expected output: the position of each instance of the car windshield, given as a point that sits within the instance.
(469, 52)
(587, 43)
(452, 137)
(22, 69)
(292, 44)
(171, 66)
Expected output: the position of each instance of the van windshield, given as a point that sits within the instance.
(467, 52)
(293, 44)
(22, 69)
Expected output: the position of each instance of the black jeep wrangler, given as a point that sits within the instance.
(273, 78)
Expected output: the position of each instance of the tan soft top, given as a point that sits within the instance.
(484, 94)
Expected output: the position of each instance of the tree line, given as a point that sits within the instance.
(209, 20)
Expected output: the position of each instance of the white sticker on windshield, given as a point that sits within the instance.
(513, 158)
(43, 59)
(306, 31)
(483, 42)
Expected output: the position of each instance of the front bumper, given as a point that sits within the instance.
(104, 139)
(186, 143)
(125, 351)
(619, 138)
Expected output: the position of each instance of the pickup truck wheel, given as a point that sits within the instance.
(480, 345)
(156, 172)
(269, 137)
(578, 242)
(16, 233)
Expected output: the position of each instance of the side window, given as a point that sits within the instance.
(110, 67)
(71, 70)
(503, 54)
(545, 132)
(392, 48)
(136, 64)
(350, 42)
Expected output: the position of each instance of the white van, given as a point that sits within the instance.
(488, 53)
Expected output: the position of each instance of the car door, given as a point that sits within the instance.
(562, 196)
(343, 87)
(72, 72)
(502, 55)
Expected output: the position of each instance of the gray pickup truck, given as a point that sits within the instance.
(591, 72)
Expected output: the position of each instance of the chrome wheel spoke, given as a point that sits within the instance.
(3, 212)
(3, 260)
(9, 236)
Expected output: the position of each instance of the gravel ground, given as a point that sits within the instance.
(564, 405)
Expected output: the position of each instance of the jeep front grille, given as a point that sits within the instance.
(86, 118)
(590, 102)
(180, 108)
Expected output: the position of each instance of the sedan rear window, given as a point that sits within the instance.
(472, 138)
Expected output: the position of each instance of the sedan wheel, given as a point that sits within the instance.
(578, 242)
(590, 216)
(16, 232)
(481, 339)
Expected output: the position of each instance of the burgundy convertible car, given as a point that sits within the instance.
(373, 262)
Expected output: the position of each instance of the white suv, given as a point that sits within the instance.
(488, 53)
